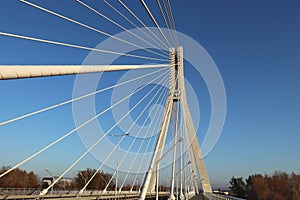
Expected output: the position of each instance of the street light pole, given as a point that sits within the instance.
(117, 167)
(137, 185)
(104, 180)
(176, 187)
(188, 180)
(157, 162)
(51, 181)
(179, 173)
(85, 181)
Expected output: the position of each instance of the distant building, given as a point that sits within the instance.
(63, 182)
(219, 191)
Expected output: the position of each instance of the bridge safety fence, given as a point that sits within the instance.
(212, 196)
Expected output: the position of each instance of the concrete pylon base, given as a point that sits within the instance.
(181, 197)
(171, 197)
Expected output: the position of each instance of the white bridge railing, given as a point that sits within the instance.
(212, 196)
(56, 191)
(33, 193)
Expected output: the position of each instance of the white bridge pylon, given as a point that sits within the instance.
(176, 98)
(177, 95)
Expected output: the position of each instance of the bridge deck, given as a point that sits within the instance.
(85, 197)
(198, 197)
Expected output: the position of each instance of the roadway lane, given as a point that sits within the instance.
(198, 197)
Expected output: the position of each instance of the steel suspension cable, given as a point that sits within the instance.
(180, 150)
(140, 163)
(148, 148)
(74, 130)
(166, 23)
(123, 137)
(181, 162)
(86, 26)
(139, 168)
(190, 158)
(148, 161)
(154, 21)
(171, 13)
(139, 20)
(153, 146)
(131, 145)
(171, 19)
(78, 46)
(186, 151)
(122, 27)
(76, 99)
(110, 178)
(132, 23)
(98, 141)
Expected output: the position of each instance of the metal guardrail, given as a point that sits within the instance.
(212, 196)
(26, 193)
(90, 197)
(19, 191)
(36, 191)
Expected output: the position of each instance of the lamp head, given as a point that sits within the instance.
(180, 139)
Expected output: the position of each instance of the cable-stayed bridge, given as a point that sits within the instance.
(165, 135)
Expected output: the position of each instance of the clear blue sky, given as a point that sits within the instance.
(255, 44)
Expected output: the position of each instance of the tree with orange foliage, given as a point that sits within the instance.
(18, 178)
(279, 186)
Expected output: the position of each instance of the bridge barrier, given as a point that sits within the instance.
(26, 194)
(56, 191)
(19, 191)
(212, 196)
